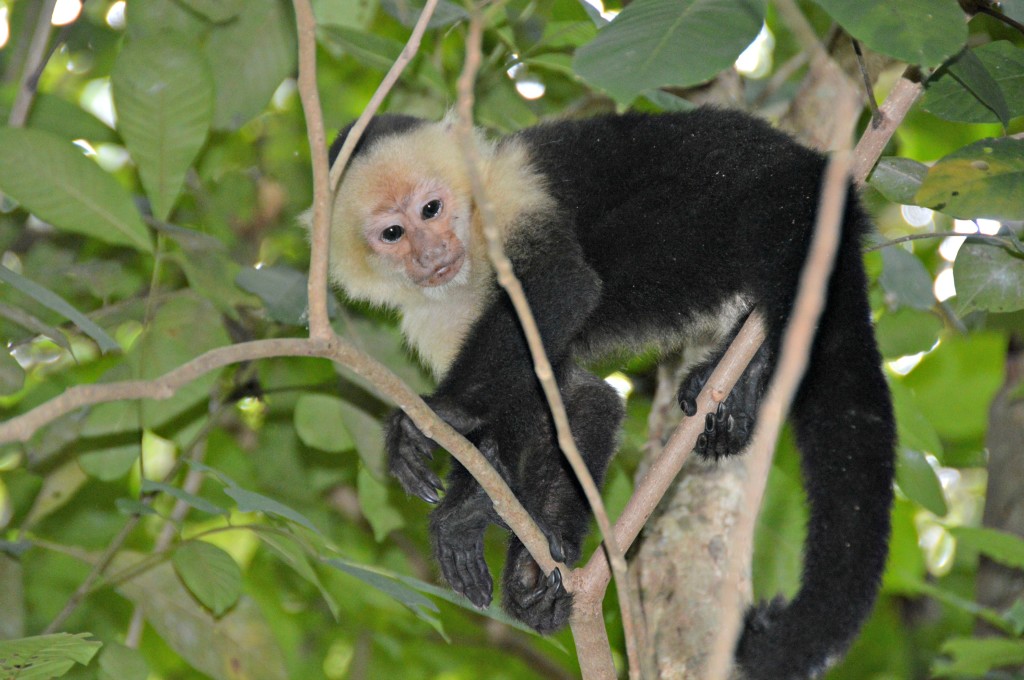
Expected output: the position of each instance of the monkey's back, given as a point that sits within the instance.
(683, 213)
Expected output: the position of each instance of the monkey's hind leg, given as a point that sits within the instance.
(549, 490)
(727, 431)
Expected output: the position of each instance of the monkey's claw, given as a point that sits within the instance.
(537, 599)
(465, 570)
(727, 431)
(409, 455)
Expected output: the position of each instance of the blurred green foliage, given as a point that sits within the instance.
(270, 543)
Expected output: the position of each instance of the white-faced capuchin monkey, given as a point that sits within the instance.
(626, 232)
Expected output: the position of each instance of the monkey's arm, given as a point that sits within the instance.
(493, 371)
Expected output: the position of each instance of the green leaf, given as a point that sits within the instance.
(1001, 546)
(318, 422)
(59, 487)
(905, 280)
(112, 461)
(118, 662)
(974, 657)
(970, 73)
(212, 274)
(53, 180)
(291, 554)
(163, 92)
(246, 70)
(378, 511)
(368, 434)
(407, 12)
(283, 291)
(201, 504)
(239, 644)
(52, 301)
(217, 11)
(917, 479)
(907, 331)
(954, 95)
(45, 656)
(356, 14)
(988, 276)
(371, 50)
(914, 429)
(60, 117)
(130, 506)
(12, 376)
(898, 179)
(210, 574)
(666, 101)
(154, 18)
(971, 368)
(183, 327)
(983, 179)
(250, 501)
(1013, 9)
(386, 583)
(1014, 617)
(925, 32)
(655, 43)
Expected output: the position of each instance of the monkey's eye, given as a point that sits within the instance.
(392, 234)
(431, 209)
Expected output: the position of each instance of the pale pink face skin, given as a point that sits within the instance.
(416, 232)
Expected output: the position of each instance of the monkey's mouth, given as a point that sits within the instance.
(444, 273)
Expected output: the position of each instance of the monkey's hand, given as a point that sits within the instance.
(410, 451)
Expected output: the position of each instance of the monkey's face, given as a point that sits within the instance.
(413, 227)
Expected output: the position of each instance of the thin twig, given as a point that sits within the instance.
(869, 90)
(408, 52)
(94, 574)
(1008, 20)
(995, 240)
(652, 486)
(796, 345)
(319, 322)
(508, 280)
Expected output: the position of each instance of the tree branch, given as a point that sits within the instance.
(891, 114)
(319, 323)
(510, 283)
(796, 348)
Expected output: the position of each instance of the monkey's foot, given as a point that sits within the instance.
(727, 431)
(465, 570)
(409, 456)
(537, 599)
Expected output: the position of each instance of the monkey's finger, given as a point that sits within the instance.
(423, 483)
(476, 582)
(555, 545)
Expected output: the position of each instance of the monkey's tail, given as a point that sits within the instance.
(846, 434)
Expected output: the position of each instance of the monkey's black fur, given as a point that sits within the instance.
(661, 223)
